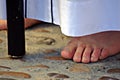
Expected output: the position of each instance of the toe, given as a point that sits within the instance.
(69, 51)
(104, 54)
(86, 55)
(78, 54)
(66, 54)
(95, 55)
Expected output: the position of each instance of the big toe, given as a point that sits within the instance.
(66, 54)
(69, 51)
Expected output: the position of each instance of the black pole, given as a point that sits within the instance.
(15, 23)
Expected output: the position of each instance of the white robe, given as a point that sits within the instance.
(76, 17)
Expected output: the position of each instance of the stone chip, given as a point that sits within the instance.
(37, 66)
(1, 40)
(54, 58)
(5, 67)
(79, 68)
(7, 79)
(46, 40)
(115, 70)
(57, 75)
(108, 78)
(15, 74)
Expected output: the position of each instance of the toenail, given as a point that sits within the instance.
(77, 58)
(84, 59)
(66, 55)
(93, 59)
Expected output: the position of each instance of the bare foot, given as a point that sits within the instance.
(28, 23)
(93, 47)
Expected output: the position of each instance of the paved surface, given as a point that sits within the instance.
(43, 62)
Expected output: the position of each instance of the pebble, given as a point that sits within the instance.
(57, 75)
(5, 67)
(79, 68)
(39, 66)
(1, 40)
(52, 74)
(47, 51)
(42, 30)
(46, 40)
(108, 78)
(115, 70)
(7, 79)
(54, 58)
(15, 74)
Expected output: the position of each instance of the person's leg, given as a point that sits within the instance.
(92, 47)
(28, 23)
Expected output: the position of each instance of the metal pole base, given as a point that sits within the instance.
(15, 24)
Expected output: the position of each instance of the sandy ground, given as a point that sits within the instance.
(43, 61)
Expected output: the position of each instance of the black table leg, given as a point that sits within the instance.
(15, 23)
